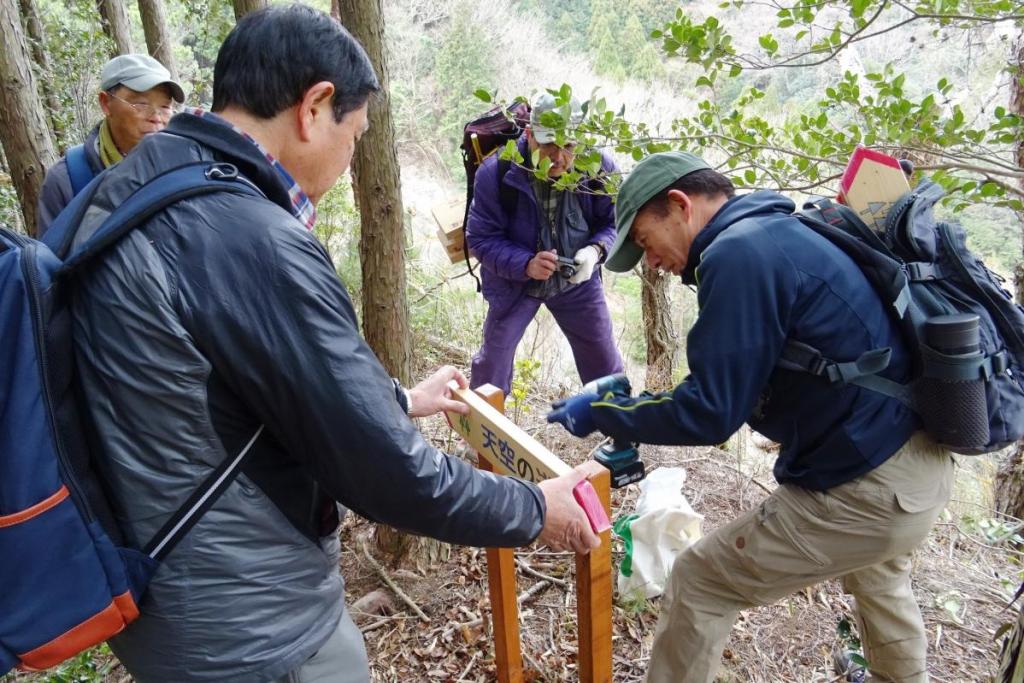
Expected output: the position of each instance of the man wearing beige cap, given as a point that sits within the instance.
(138, 97)
(859, 484)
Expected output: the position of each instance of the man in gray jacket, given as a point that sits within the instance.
(137, 96)
(223, 313)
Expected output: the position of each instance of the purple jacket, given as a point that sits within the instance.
(505, 244)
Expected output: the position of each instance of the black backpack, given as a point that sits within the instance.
(964, 331)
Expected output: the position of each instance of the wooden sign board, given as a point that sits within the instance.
(871, 184)
(504, 448)
(449, 216)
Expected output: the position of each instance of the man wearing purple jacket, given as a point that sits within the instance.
(518, 245)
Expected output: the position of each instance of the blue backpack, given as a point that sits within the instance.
(962, 328)
(69, 581)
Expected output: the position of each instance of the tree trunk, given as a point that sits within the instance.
(1008, 487)
(1011, 665)
(158, 40)
(114, 18)
(376, 185)
(1009, 484)
(1017, 107)
(243, 7)
(37, 41)
(662, 344)
(376, 182)
(23, 132)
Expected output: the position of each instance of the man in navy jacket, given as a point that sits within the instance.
(859, 485)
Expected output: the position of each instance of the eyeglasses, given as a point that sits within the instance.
(147, 110)
(569, 146)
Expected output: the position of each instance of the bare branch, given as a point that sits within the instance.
(859, 36)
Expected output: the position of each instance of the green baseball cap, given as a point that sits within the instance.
(139, 73)
(648, 178)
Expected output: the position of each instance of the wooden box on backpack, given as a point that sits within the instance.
(449, 215)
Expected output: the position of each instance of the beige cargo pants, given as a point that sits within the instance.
(863, 531)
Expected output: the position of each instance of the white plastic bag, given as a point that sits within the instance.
(661, 527)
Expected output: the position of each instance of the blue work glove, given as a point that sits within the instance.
(574, 414)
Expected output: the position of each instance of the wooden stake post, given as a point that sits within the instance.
(506, 449)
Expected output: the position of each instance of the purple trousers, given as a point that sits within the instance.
(582, 315)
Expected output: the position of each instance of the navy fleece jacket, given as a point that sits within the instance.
(762, 277)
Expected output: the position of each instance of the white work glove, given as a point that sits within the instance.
(586, 260)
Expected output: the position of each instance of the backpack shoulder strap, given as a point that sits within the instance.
(201, 500)
(863, 372)
(156, 195)
(507, 196)
(874, 259)
(842, 228)
(79, 171)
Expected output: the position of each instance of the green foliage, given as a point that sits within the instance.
(203, 25)
(10, 209)
(993, 530)
(973, 159)
(567, 20)
(617, 37)
(77, 50)
(587, 163)
(415, 103)
(445, 319)
(850, 642)
(91, 666)
(992, 233)
(967, 147)
(644, 63)
(524, 379)
(463, 61)
(337, 228)
(635, 602)
(606, 48)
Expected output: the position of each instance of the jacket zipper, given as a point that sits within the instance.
(32, 276)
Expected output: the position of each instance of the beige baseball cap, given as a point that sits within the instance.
(571, 112)
(140, 73)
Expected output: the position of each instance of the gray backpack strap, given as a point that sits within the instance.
(862, 372)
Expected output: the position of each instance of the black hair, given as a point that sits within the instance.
(704, 182)
(274, 55)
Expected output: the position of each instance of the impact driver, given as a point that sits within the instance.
(620, 457)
